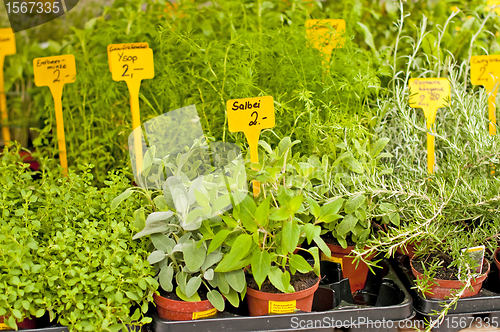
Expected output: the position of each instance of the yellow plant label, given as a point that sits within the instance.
(132, 65)
(4, 327)
(54, 70)
(485, 71)
(332, 259)
(204, 314)
(7, 42)
(282, 307)
(429, 94)
(250, 116)
(491, 4)
(122, 47)
(7, 47)
(326, 35)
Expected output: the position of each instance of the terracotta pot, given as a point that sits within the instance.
(27, 158)
(182, 310)
(25, 324)
(357, 275)
(443, 288)
(408, 251)
(262, 303)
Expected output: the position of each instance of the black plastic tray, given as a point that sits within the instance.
(383, 298)
(486, 301)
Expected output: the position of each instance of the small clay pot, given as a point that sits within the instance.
(262, 303)
(409, 251)
(443, 288)
(182, 310)
(356, 274)
(27, 323)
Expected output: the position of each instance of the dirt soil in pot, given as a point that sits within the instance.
(299, 282)
(328, 238)
(202, 293)
(445, 273)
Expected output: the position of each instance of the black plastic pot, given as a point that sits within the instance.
(384, 297)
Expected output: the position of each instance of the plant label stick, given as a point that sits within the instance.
(54, 72)
(250, 116)
(7, 47)
(429, 94)
(485, 71)
(326, 35)
(133, 65)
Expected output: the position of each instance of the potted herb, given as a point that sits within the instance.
(264, 234)
(22, 277)
(185, 213)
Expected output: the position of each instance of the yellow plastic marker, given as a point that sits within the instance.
(121, 47)
(492, 3)
(250, 116)
(7, 47)
(326, 35)
(429, 94)
(54, 72)
(132, 66)
(485, 71)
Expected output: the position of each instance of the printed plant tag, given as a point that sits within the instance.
(282, 307)
(204, 314)
(477, 254)
(326, 35)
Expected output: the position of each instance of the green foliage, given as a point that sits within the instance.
(67, 253)
(181, 227)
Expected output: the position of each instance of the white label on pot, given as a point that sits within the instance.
(476, 253)
(204, 314)
(282, 307)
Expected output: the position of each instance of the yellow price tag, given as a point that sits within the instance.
(429, 94)
(132, 64)
(122, 47)
(7, 42)
(7, 47)
(491, 4)
(326, 35)
(250, 116)
(485, 71)
(54, 72)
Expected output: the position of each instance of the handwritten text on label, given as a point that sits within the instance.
(7, 42)
(54, 70)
